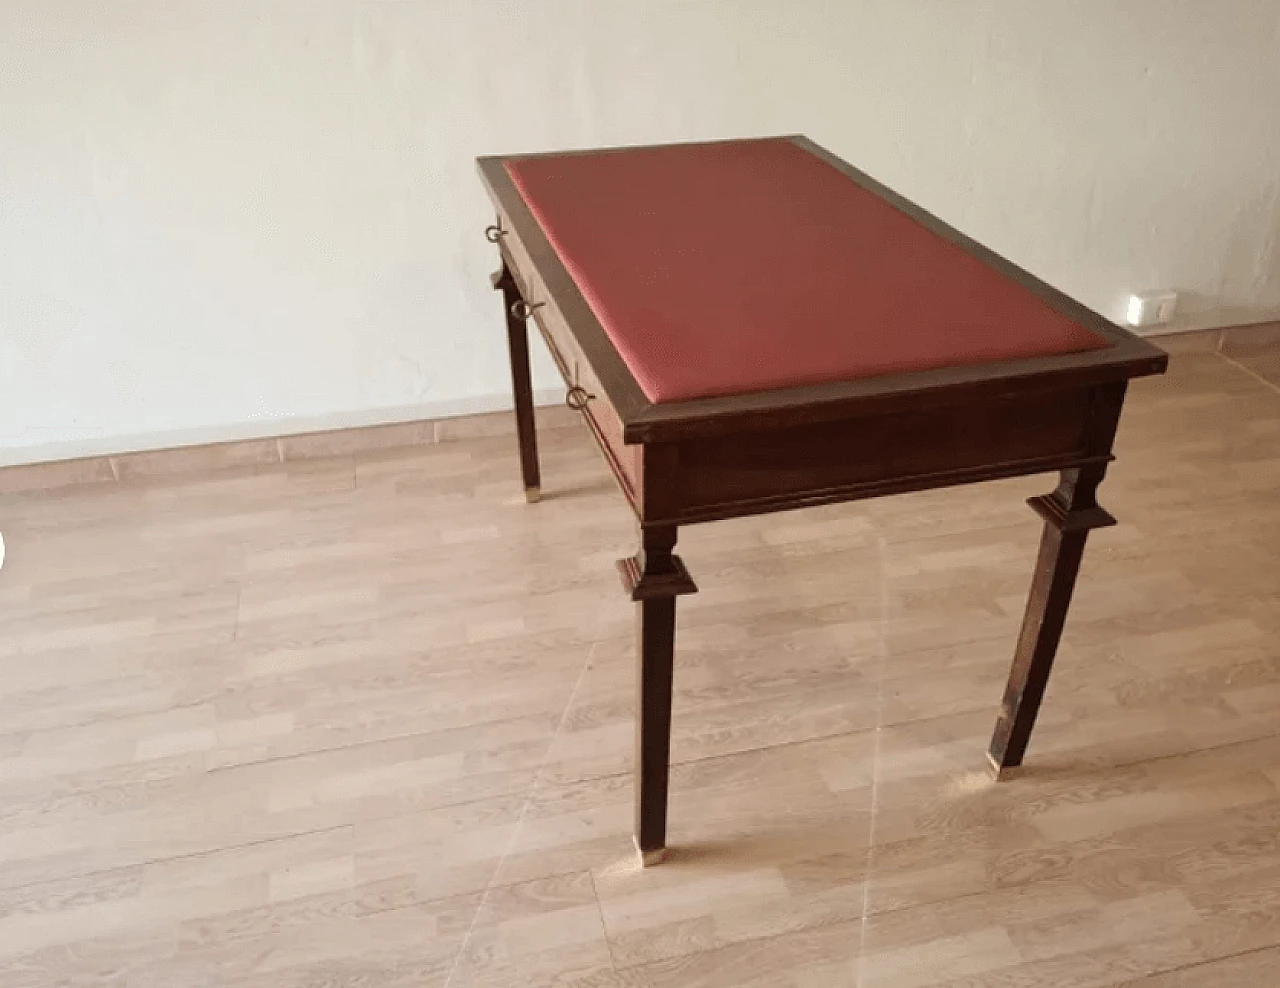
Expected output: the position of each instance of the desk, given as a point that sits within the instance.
(753, 326)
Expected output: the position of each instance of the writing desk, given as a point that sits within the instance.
(752, 326)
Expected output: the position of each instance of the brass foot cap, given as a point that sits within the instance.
(1002, 773)
(650, 858)
(533, 494)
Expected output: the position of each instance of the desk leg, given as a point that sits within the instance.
(521, 384)
(654, 577)
(1070, 513)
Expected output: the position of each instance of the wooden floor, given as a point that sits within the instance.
(368, 722)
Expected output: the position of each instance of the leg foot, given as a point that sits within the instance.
(533, 494)
(650, 858)
(1002, 773)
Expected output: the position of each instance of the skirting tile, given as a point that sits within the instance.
(557, 417)
(219, 456)
(1197, 341)
(60, 473)
(502, 423)
(341, 442)
(266, 452)
(1251, 341)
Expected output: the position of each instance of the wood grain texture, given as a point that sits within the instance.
(369, 720)
(801, 465)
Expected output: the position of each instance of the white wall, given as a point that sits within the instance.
(221, 219)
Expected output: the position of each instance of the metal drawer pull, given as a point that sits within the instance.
(494, 233)
(577, 398)
(522, 310)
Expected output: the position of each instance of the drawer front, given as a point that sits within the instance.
(603, 420)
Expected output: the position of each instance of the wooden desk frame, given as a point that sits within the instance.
(712, 458)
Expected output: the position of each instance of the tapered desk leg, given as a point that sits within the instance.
(1070, 513)
(654, 577)
(521, 383)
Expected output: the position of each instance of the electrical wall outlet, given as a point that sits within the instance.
(1152, 308)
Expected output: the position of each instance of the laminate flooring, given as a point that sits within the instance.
(367, 721)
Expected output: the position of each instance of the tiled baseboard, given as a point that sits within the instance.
(262, 452)
(1233, 341)
(1196, 341)
(1256, 348)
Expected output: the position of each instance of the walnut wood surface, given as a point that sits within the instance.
(724, 476)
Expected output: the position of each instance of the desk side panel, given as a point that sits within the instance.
(601, 416)
(769, 470)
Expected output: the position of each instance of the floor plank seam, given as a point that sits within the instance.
(1270, 386)
(732, 946)
(224, 849)
(389, 739)
(1189, 752)
(1139, 981)
(100, 721)
(608, 940)
(877, 747)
